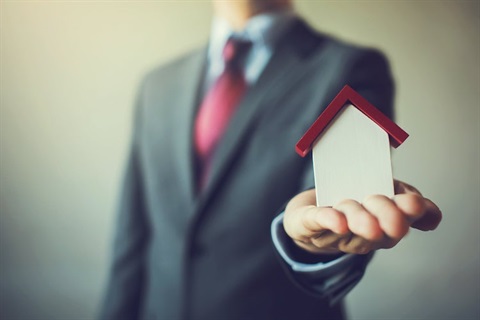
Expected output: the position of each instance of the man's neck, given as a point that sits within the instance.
(238, 13)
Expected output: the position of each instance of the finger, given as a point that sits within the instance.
(356, 245)
(390, 218)
(402, 187)
(327, 239)
(303, 199)
(431, 218)
(412, 205)
(306, 222)
(360, 222)
(319, 219)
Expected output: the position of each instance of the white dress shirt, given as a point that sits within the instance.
(263, 31)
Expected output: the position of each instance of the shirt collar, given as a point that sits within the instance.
(263, 29)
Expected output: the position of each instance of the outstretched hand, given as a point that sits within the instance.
(352, 227)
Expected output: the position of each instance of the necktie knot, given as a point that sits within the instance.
(235, 50)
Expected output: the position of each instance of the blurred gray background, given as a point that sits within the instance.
(69, 71)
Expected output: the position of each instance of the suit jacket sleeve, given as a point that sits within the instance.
(333, 276)
(126, 279)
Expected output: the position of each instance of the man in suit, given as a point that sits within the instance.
(212, 165)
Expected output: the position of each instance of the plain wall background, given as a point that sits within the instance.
(69, 71)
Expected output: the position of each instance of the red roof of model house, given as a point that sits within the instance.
(348, 95)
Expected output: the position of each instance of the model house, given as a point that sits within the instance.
(351, 143)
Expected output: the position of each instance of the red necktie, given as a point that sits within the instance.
(218, 106)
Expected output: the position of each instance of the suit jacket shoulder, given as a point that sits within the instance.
(366, 69)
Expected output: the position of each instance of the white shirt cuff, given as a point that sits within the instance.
(331, 279)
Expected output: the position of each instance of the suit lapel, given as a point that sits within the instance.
(190, 78)
(284, 69)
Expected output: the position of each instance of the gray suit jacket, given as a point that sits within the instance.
(178, 255)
